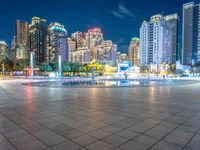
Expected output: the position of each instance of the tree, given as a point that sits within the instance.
(144, 69)
(99, 68)
(76, 68)
(86, 68)
(20, 65)
(54, 66)
(45, 67)
(67, 66)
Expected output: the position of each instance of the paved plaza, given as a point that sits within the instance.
(142, 118)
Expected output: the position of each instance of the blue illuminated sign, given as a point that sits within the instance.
(58, 28)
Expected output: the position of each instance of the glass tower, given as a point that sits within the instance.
(191, 30)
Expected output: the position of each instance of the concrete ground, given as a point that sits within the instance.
(156, 118)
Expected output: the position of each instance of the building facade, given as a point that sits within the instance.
(156, 46)
(106, 53)
(134, 52)
(94, 37)
(72, 47)
(21, 40)
(144, 43)
(78, 37)
(37, 39)
(190, 34)
(4, 51)
(56, 43)
(81, 55)
(13, 49)
(122, 57)
(172, 20)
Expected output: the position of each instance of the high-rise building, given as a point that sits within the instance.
(190, 35)
(13, 48)
(156, 46)
(56, 43)
(94, 37)
(78, 37)
(144, 43)
(81, 55)
(4, 51)
(134, 52)
(37, 39)
(71, 48)
(106, 53)
(172, 21)
(122, 57)
(21, 40)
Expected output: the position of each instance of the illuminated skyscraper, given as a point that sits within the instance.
(13, 48)
(156, 46)
(144, 43)
(106, 53)
(21, 43)
(78, 37)
(37, 39)
(94, 37)
(56, 43)
(122, 57)
(190, 35)
(134, 52)
(172, 21)
(81, 55)
(71, 48)
(4, 51)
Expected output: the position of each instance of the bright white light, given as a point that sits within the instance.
(52, 74)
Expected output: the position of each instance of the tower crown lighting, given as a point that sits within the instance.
(94, 30)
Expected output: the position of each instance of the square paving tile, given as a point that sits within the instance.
(193, 145)
(5, 145)
(100, 146)
(84, 140)
(115, 140)
(67, 145)
(156, 118)
(166, 146)
(99, 134)
(176, 140)
(146, 140)
(48, 137)
(132, 145)
(127, 134)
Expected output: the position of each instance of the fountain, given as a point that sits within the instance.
(59, 67)
(3, 70)
(32, 66)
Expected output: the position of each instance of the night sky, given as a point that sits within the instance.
(119, 19)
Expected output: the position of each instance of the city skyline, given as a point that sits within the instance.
(100, 75)
(116, 12)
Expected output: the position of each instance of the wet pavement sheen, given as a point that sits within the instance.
(142, 118)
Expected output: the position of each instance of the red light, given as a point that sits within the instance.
(94, 30)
